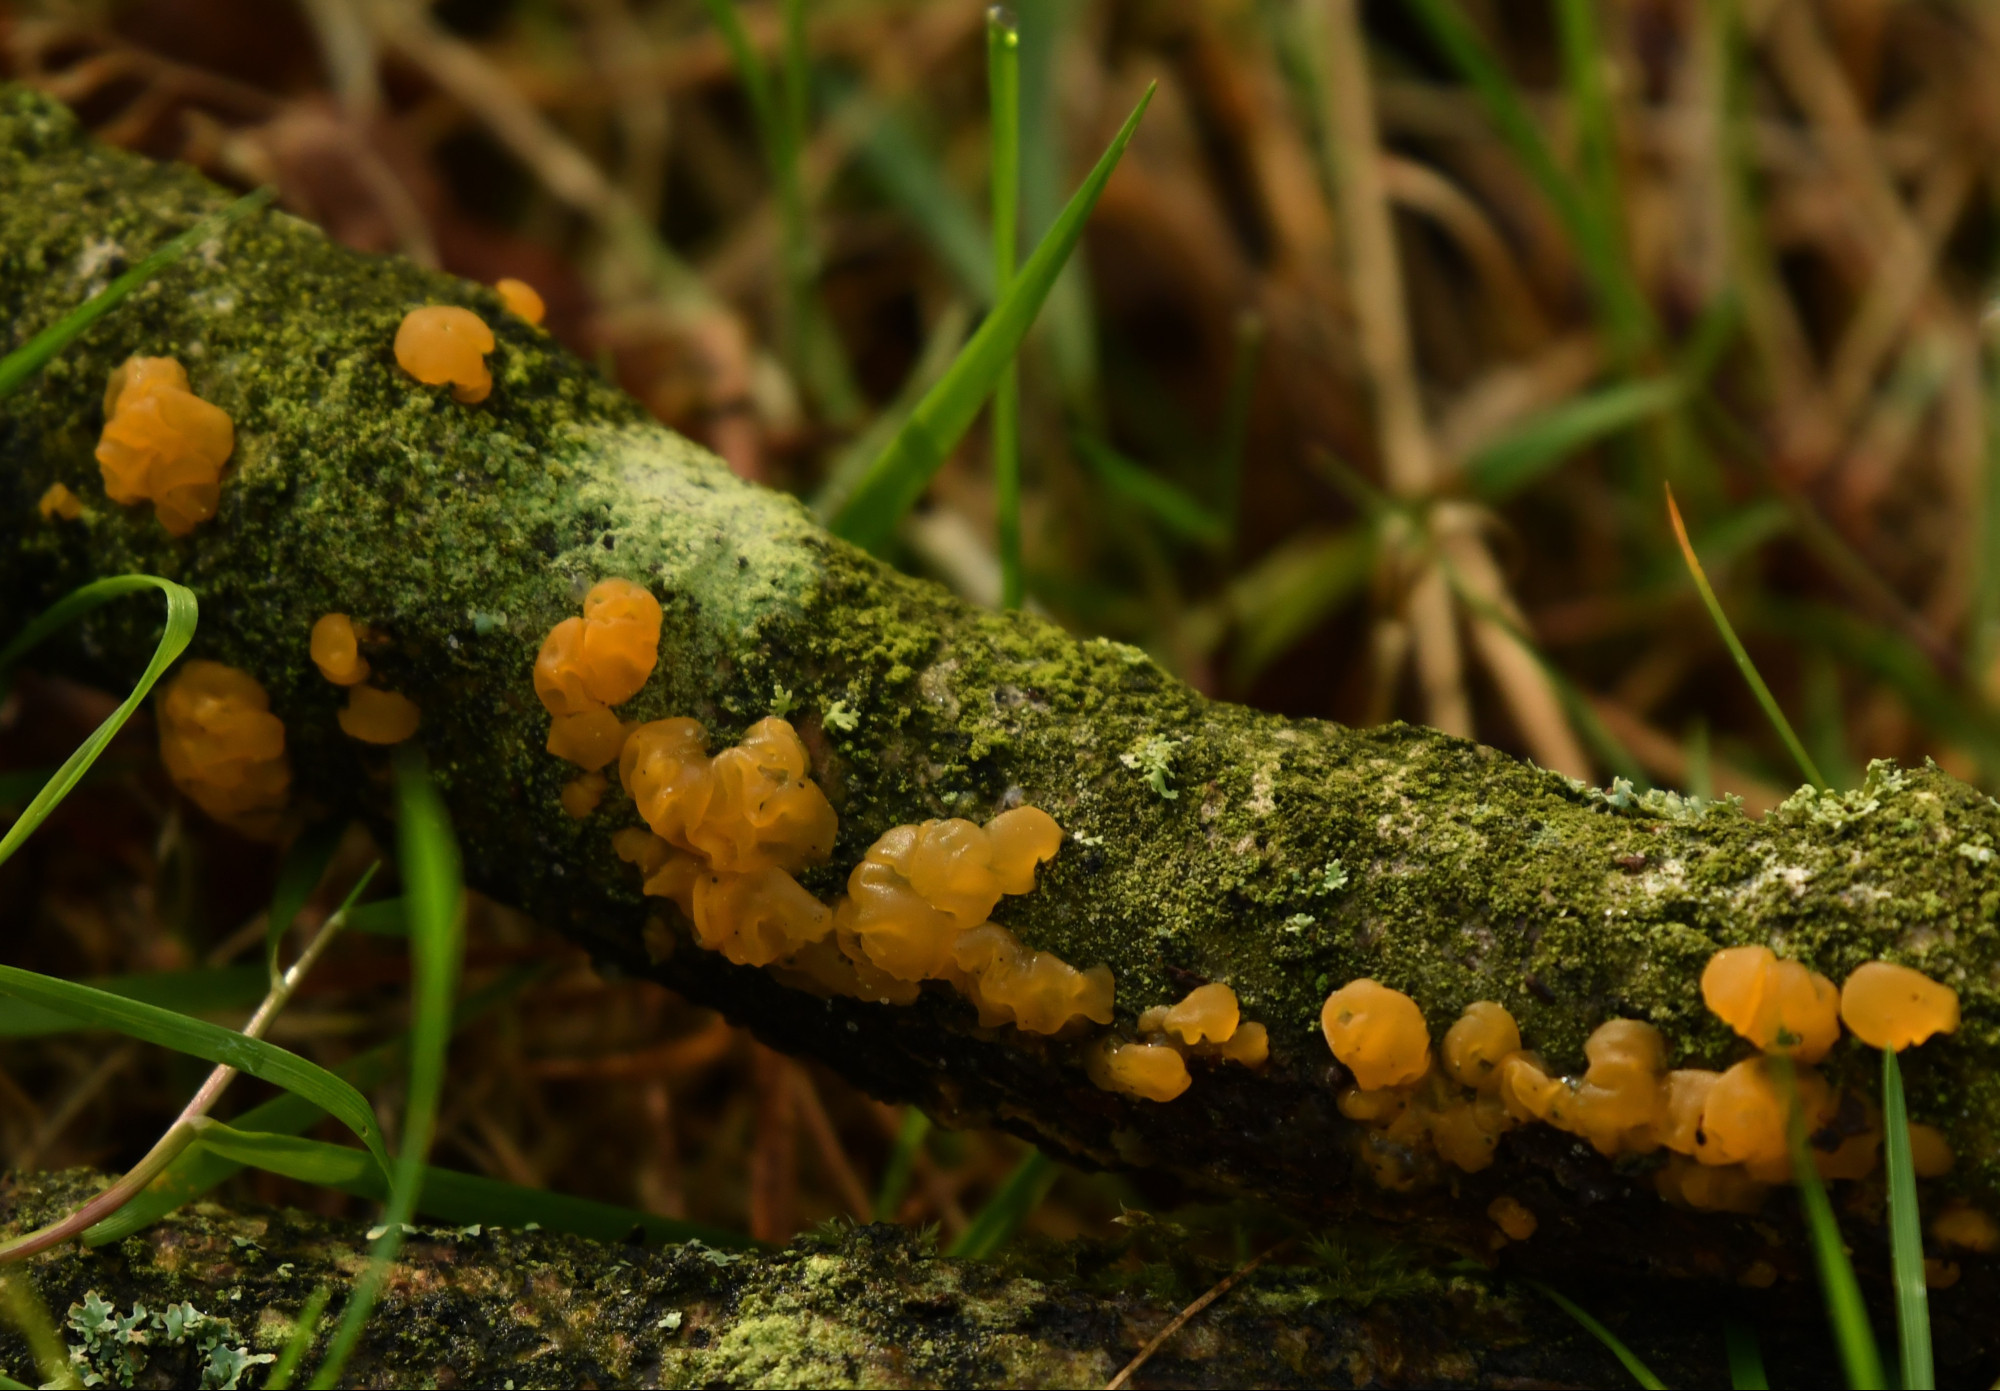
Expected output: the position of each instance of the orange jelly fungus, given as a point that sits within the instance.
(163, 444)
(223, 747)
(336, 650)
(591, 663)
(521, 298)
(1208, 1023)
(580, 796)
(1940, 1275)
(1892, 1007)
(1967, 1228)
(1930, 1152)
(590, 739)
(1475, 1045)
(1709, 1188)
(1150, 1071)
(1512, 1217)
(1378, 1033)
(59, 502)
(442, 344)
(1032, 990)
(378, 717)
(1778, 1005)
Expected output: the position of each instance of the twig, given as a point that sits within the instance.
(1222, 1287)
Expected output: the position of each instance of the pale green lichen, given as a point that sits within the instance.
(841, 717)
(1153, 759)
(114, 1349)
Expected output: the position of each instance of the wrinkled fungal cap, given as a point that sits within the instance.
(1022, 839)
(590, 740)
(757, 918)
(1035, 991)
(521, 299)
(223, 747)
(580, 796)
(1687, 1092)
(1778, 1005)
(1743, 1119)
(1150, 1071)
(378, 717)
(59, 502)
(621, 640)
(443, 344)
(1207, 1013)
(336, 651)
(162, 444)
(1476, 1043)
(1893, 1007)
(1378, 1033)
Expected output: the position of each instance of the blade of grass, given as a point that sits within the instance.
(304, 1329)
(30, 1317)
(226, 1047)
(1746, 1359)
(204, 991)
(851, 465)
(427, 856)
(898, 477)
(1742, 658)
(1983, 626)
(1641, 1373)
(196, 1171)
(33, 355)
(1172, 506)
(913, 179)
(305, 865)
(1235, 436)
(902, 1163)
(1539, 443)
(1003, 83)
(1070, 326)
(181, 616)
(1290, 592)
(1906, 1236)
(1013, 1204)
(1845, 1310)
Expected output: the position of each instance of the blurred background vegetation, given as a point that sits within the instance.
(1358, 403)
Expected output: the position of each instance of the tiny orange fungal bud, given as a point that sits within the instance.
(1378, 1033)
(443, 344)
(376, 716)
(1476, 1043)
(1892, 1007)
(1930, 1152)
(59, 501)
(589, 740)
(1940, 1275)
(521, 299)
(223, 747)
(336, 650)
(1512, 1217)
(580, 796)
(163, 444)
(1207, 1013)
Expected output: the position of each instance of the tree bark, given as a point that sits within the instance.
(874, 1306)
(1281, 856)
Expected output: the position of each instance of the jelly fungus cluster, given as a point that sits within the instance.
(1724, 1132)
(586, 666)
(223, 747)
(372, 715)
(162, 444)
(521, 299)
(442, 345)
(1206, 1023)
(59, 502)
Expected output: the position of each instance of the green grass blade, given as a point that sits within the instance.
(207, 990)
(1291, 591)
(385, 917)
(1172, 506)
(1539, 443)
(1746, 1359)
(1007, 1209)
(1983, 628)
(902, 1163)
(912, 179)
(1765, 699)
(1003, 81)
(305, 865)
(304, 1329)
(1235, 435)
(1906, 1236)
(1845, 1310)
(1641, 1373)
(24, 1309)
(196, 1171)
(198, 1038)
(33, 355)
(898, 478)
(448, 1195)
(1070, 326)
(427, 855)
(182, 612)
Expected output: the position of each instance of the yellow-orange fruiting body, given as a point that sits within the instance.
(1526, 1089)
(1709, 1188)
(1512, 1217)
(831, 966)
(378, 717)
(1743, 1120)
(1617, 1104)
(1930, 1152)
(757, 917)
(1207, 1013)
(764, 811)
(1021, 839)
(580, 796)
(1378, 1033)
(223, 747)
(1940, 1275)
(521, 299)
(1032, 990)
(1854, 1157)
(1150, 1071)
(641, 848)
(1687, 1092)
(589, 740)
(621, 639)
(1376, 1108)
(1250, 1045)
(1892, 1007)
(163, 444)
(336, 650)
(1466, 1132)
(1778, 1005)
(1967, 1228)
(442, 344)
(1475, 1044)
(663, 766)
(59, 502)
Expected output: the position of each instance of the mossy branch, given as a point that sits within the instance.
(1279, 856)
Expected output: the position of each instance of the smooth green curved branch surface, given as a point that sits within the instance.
(1280, 856)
